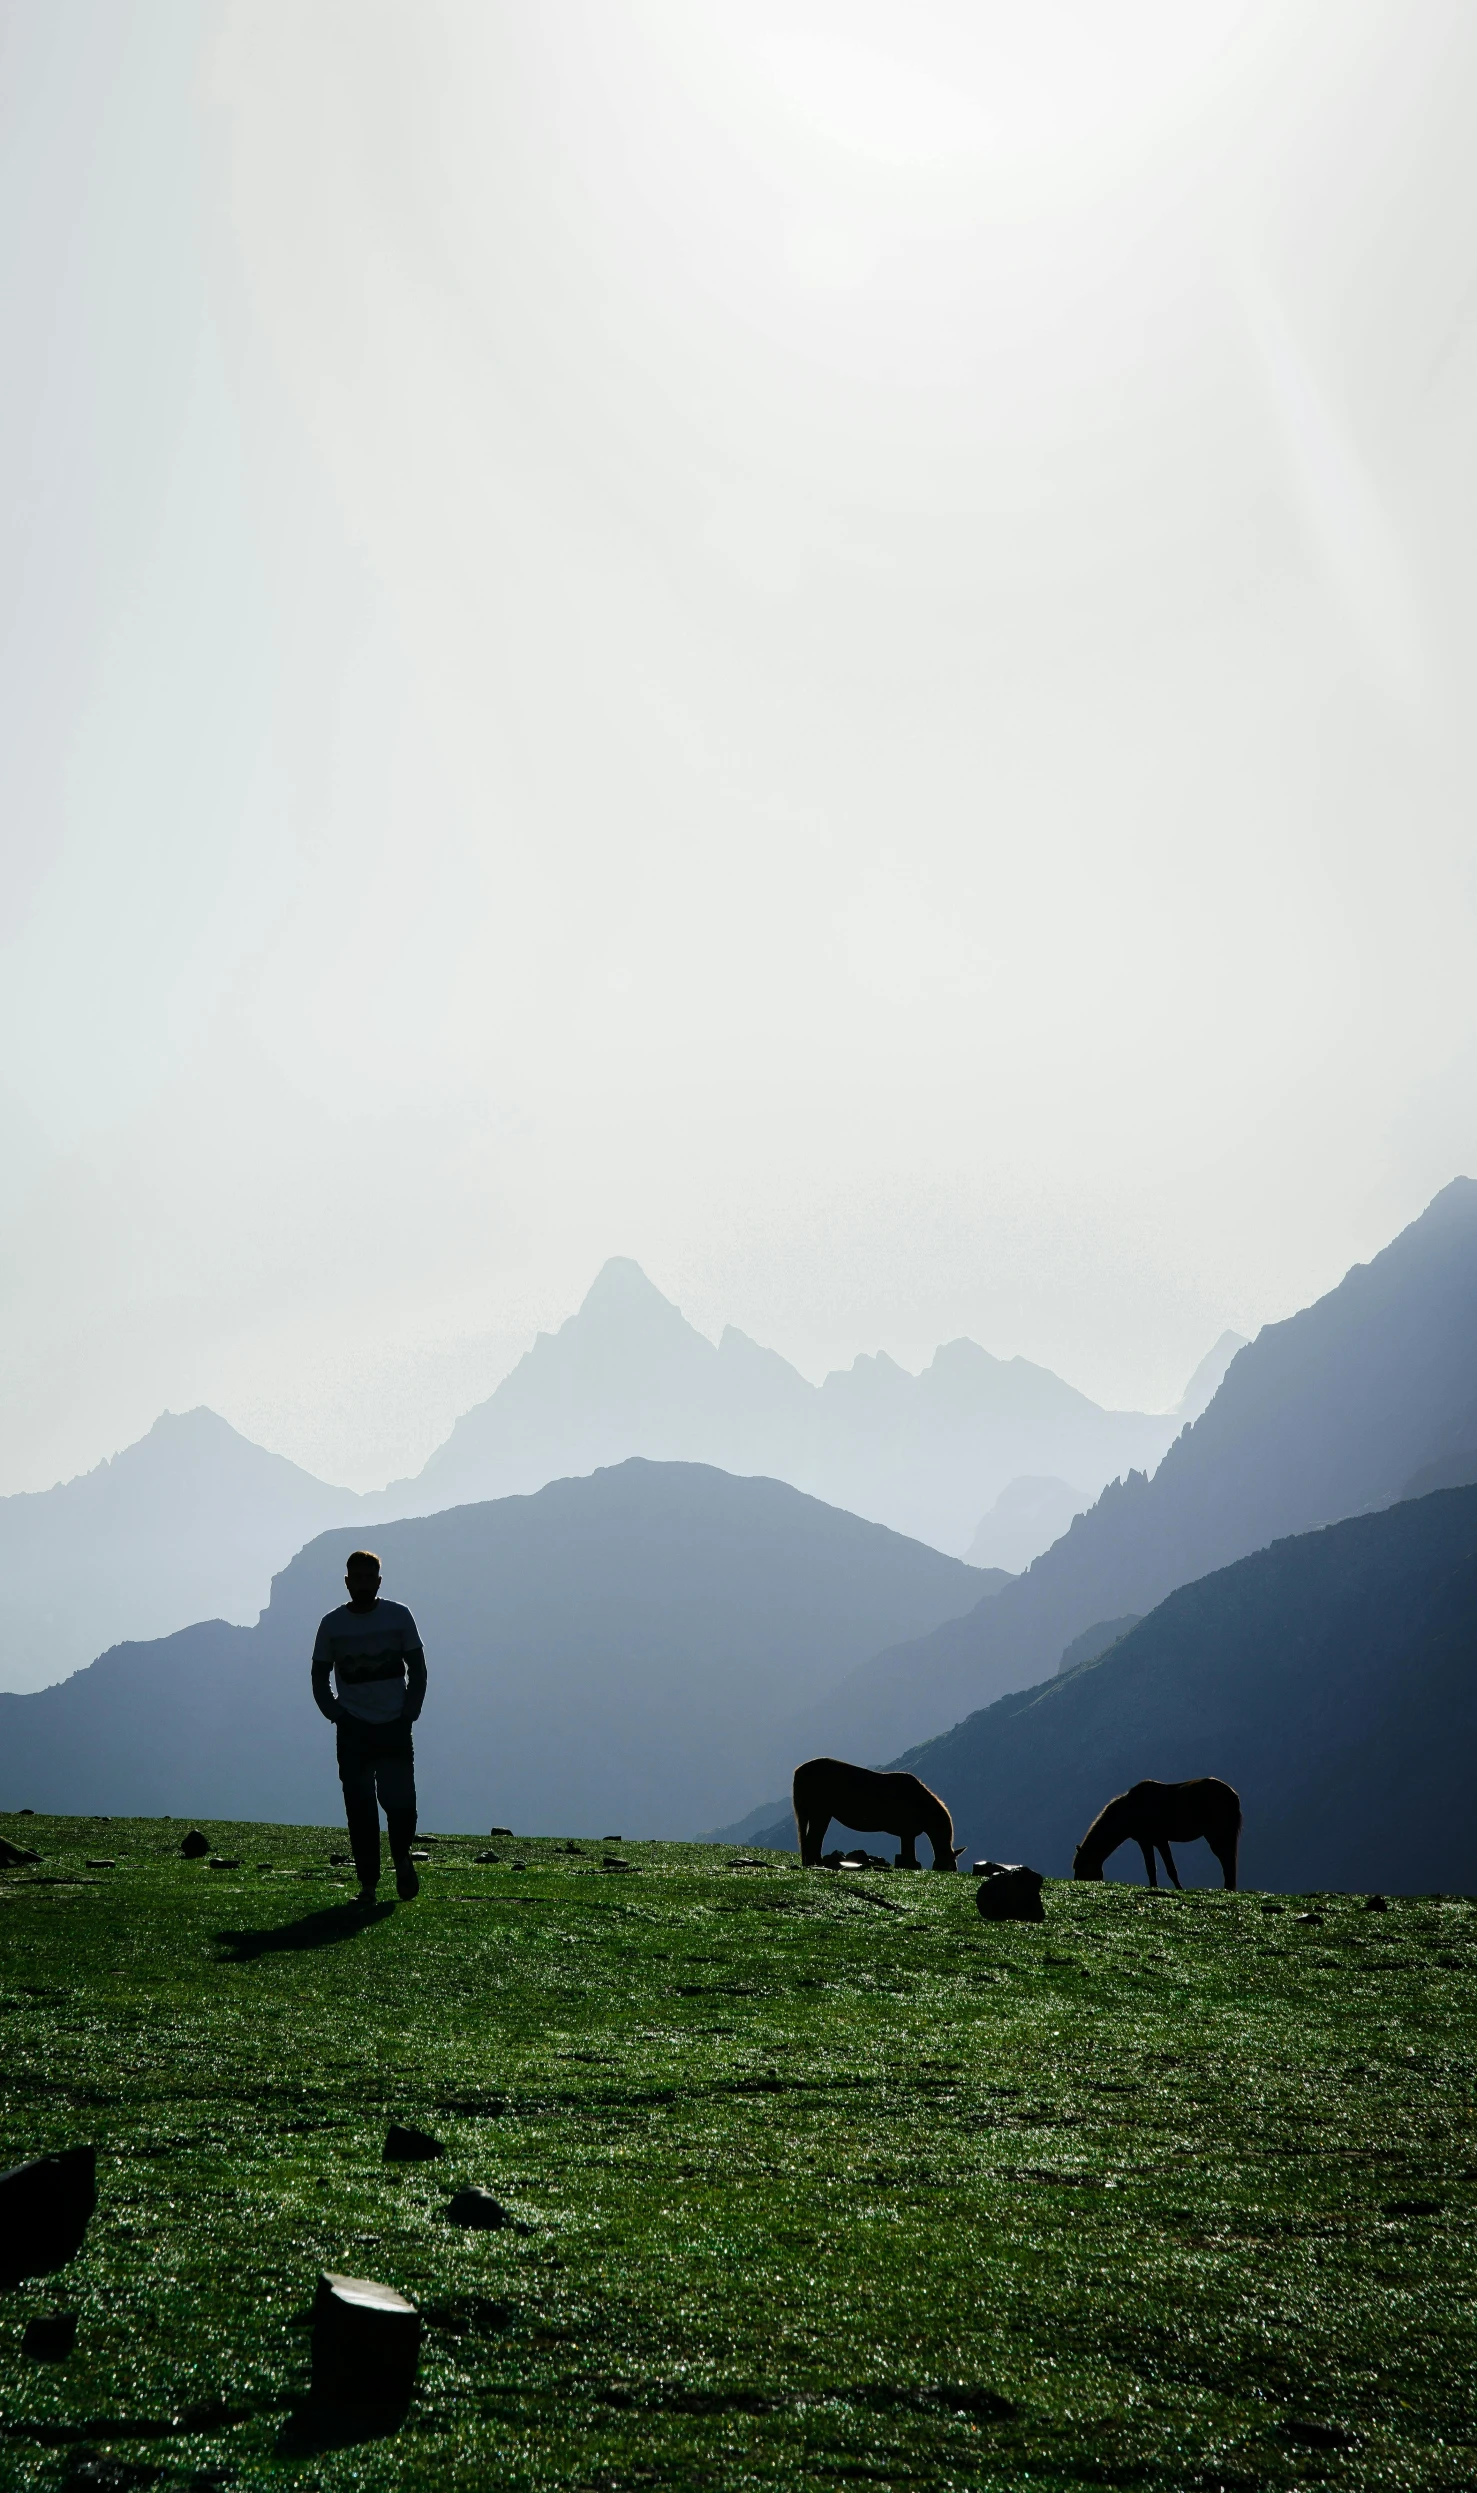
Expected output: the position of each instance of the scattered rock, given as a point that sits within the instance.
(418, 1852)
(612, 1839)
(1308, 1917)
(608, 1864)
(1273, 1908)
(14, 1856)
(366, 2344)
(520, 1865)
(223, 1861)
(579, 1848)
(25, 1813)
(44, 2211)
(1412, 2207)
(480, 2210)
(501, 1833)
(1012, 1893)
(493, 1858)
(104, 1864)
(50, 2339)
(194, 1846)
(1375, 1904)
(410, 2146)
(340, 1860)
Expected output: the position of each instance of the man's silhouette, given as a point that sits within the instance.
(373, 1649)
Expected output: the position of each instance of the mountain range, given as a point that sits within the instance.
(1345, 1408)
(1330, 1678)
(193, 1521)
(619, 1652)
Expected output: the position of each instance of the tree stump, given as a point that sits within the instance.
(366, 2344)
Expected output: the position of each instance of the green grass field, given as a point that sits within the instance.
(825, 2181)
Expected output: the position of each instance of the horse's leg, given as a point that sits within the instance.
(908, 1857)
(812, 1840)
(1150, 1864)
(1169, 1863)
(1226, 1855)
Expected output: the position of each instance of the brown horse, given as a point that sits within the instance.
(1152, 1815)
(825, 1788)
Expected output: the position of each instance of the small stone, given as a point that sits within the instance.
(1375, 1904)
(50, 2339)
(494, 1858)
(612, 1839)
(418, 1852)
(579, 1848)
(223, 1861)
(340, 1860)
(611, 1864)
(45, 2207)
(14, 1856)
(366, 2344)
(520, 1865)
(477, 2208)
(503, 1834)
(194, 1846)
(1012, 1894)
(410, 2146)
(104, 1864)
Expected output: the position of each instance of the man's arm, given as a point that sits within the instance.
(415, 1683)
(323, 1696)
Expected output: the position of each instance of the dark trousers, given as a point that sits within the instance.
(376, 1766)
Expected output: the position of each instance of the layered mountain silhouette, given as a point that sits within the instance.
(1333, 1413)
(1332, 1678)
(190, 1521)
(618, 1652)
(194, 1520)
(926, 1454)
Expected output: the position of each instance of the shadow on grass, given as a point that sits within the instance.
(311, 1930)
(314, 2426)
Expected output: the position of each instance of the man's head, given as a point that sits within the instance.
(362, 1576)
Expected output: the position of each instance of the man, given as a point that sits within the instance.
(373, 1650)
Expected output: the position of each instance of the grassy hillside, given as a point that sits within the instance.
(1332, 1678)
(824, 2180)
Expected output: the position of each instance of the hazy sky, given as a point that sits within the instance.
(823, 642)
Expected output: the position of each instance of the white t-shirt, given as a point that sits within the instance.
(367, 1651)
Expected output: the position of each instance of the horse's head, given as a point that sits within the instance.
(1083, 1864)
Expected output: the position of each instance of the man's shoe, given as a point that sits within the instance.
(407, 1884)
(367, 1897)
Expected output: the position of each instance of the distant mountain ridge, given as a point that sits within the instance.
(627, 1374)
(620, 1651)
(190, 1521)
(1330, 1677)
(1330, 1414)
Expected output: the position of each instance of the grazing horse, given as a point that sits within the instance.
(825, 1788)
(1152, 1815)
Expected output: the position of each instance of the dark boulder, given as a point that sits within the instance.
(1012, 1893)
(410, 2146)
(45, 2207)
(480, 2210)
(366, 2344)
(194, 1846)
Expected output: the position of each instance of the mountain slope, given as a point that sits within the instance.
(628, 1375)
(191, 1520)
(613, 1653)
(1327, 1415)
(1332, 1678)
